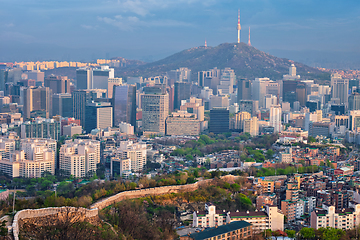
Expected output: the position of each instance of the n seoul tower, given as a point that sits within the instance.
(239, 27)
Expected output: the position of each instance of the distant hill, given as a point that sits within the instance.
(247, 61)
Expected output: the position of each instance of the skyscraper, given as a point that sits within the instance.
(155, 109)
(84, 78)
(219, 120)
(101, 77)
(62, 104)
(124, 104)
(275, 118)
(79, 100)
(58, 84)
(259, 90)
(227, 80)
(354, 101)
(182, 91)
(244, 89)
(37, 102)
(98, 115)
(340, 88)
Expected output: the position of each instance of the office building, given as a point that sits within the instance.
(354, 120)
(120, 167)
(124, 104)
(219, 120)
(354, 101)
(178, 75)
(340, 88)
(244, 90)
(270, 100)
(111, 83)
(36, 75)
(219, 101)
(62, 104)
(80, 98)
(39, 128)
(182, 123)
(37, 102)
(84, 78)
(275, 118)
(98, 115)
(249, 106)
(100, 77)
(182, 91)
(58, 84)
(258, 89)
(240, 117)
(292, 74)
(227, 80)
(155, 109)
(286, 156)
(71, 129)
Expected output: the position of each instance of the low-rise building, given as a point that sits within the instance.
(233, 230)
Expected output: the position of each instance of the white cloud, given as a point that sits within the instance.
(132, 22)
(89, 27)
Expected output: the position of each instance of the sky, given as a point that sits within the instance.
(149, 30)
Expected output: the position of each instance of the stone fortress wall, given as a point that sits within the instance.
(94, 209)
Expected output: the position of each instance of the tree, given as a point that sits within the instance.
(290, 233)
(307, 233)
(3, 229)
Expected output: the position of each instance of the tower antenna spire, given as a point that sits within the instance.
(238, 26)
(249, 43)
(205, 43)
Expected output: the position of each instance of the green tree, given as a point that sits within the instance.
(3, 229)
(331, 233)
(290, 233)
(307, 233)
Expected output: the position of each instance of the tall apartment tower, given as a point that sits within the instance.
(275, 118)
(124, 104)
(182, 91)
(58, 84)
(340, 88)
(37, 102)
(155, 109)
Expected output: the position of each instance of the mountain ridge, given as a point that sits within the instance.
(247, 62)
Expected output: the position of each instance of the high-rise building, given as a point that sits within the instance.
(251, 126)
(340, 88)
(40, 128)
(240, 117)
(98, 115)
(250, 106)
(136, 152)
(244, 90)
(155, 109)
(101, 77)
(270, 100)
(62, 104)
(111, 83)
(58, 84)
(37, 102)
(227, 81)
(182, 91)
(179, 75)
(354, 101)
(292, 73)
(84, 78)
(80, 99)
(124, 104)
(219, 120)
(210, 78)
(80, 157)
(275, 118)
(259, 90)
(182, 123)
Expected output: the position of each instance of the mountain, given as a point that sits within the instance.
(247, 62)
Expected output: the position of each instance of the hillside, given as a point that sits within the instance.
(247, 61)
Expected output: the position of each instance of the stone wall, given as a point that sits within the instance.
(148, 192)
(34, 213)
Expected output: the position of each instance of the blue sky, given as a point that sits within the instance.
(152, 29)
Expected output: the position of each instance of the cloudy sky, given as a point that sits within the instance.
(152, 29)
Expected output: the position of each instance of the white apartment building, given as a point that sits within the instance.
(271, 218)
(345, 219)
(136, 152)
(80, 157)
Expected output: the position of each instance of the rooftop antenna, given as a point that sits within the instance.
(238, 26)
(205, 43)
(249, 43)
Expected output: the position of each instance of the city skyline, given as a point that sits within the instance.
(150, 30)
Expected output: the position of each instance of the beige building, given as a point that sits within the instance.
(240, 117)
(346, 218)
(136, 152)
(154, 113)
(251, 126)
(286, 157)
(182, 123)
(120, 167)
(80, 157)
